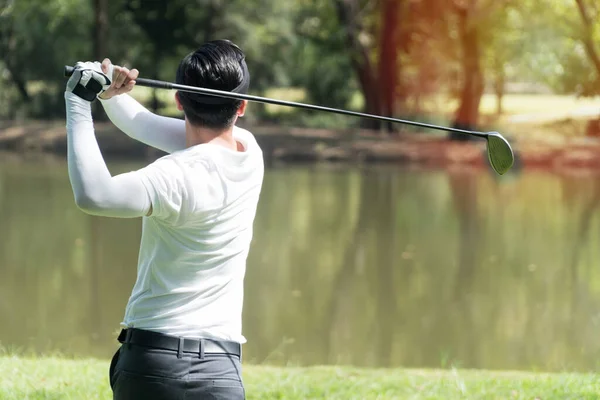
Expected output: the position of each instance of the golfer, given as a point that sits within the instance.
(182, 330)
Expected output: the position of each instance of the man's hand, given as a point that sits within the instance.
(123, 79)
(88, 80)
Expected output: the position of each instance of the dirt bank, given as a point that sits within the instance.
(309, 145)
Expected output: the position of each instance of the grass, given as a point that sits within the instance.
(53, 378)
(514, 104)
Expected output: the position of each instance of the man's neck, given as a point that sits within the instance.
(195, 135)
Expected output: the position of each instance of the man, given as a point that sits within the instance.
(181, 334)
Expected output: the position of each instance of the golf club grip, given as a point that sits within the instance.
(140, 81)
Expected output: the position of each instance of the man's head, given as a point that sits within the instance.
(219, 65)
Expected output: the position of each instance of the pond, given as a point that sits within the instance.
(379, 266)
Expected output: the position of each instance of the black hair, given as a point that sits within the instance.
(220, 65)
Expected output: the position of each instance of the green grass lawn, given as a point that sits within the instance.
(537, 103)
(60, 378)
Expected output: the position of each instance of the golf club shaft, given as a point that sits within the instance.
(239, 96)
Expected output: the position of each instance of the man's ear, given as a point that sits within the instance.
(179, 106)
(242, 110)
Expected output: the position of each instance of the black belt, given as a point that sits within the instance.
(157, 340)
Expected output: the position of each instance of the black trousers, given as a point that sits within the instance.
(143, 372)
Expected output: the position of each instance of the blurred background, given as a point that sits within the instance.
(375, 244)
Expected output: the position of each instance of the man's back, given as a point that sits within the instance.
(182, 333)
(195, 244)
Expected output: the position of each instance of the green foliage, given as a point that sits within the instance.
(574, 73)
(554, 46)
(326, 70)
(164, 25)
(296, 43)
(36, 40)
(264, 30)
(39, 37)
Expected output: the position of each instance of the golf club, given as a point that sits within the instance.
(500, 153)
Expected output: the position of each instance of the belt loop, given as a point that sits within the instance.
(122, 335)
(202, 349)
(180, 348)
(128, 335)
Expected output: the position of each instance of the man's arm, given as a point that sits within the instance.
(164, 133)
(96, 191)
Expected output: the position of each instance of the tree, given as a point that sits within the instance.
(588, 37)
(37, 38)
(100, 29)
(324, 68)
(100, 36)
(389, 65)
(475, 20)
(348, 11)
(473, 84)
(510, 53)
(8, 47)
(562, 36)
(164, 24)
(265, 30)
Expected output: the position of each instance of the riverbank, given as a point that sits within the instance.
(286, 144)
(59, 378)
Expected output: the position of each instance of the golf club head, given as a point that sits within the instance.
(500, 153)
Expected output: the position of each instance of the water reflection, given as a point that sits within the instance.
(371, 267)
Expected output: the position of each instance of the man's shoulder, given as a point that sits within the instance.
(239, 130)
(180, 157)
(178, 163)
(167, 161)
(244, 133)
(248, 137)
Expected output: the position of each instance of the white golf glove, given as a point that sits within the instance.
(88, 80)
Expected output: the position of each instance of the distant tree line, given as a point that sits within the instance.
(399, 55)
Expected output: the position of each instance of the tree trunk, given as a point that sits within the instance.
(467, 114)
(388, 58)
(347, 11)
(19, 82)
(100, 29)
(7, 47)
(499, 83)
(588, 40)
(99, 33)
(155, 104)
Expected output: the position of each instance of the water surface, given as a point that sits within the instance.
(378, 266)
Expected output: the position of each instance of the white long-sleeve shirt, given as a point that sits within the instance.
(202, 202)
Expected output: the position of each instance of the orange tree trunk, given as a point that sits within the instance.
(388, 58)
(467, 114)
